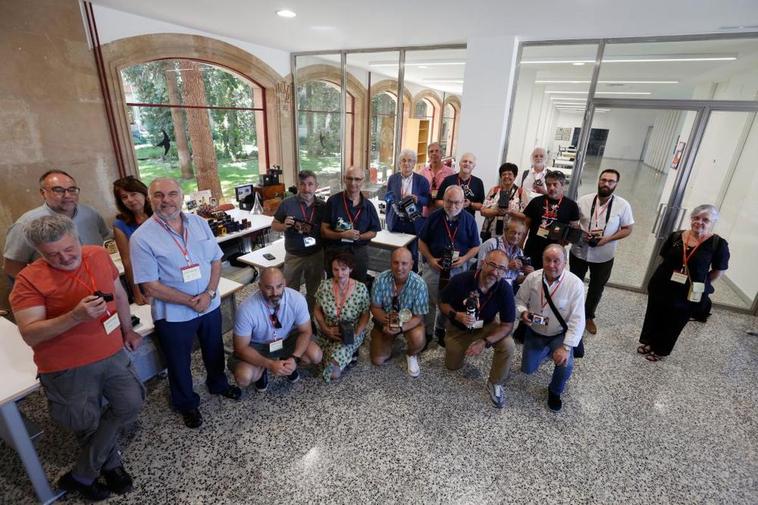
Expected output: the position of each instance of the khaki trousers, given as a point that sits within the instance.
(457, 341)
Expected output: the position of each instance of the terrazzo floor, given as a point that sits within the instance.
(683, 431)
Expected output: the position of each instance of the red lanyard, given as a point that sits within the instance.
(92, 285)
(450, 235)
(347, 211)
(551, 213)
(341, 303)
(489, 297)
(542, 291)
(184, 250)
(313, 211)
(686, 257)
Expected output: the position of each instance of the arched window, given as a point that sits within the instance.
(447, 136)
(425, 109)
(196, 122)
(382, 133)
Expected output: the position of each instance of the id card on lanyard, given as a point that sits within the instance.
(596, 231)
(451, 237)
(353, 219)
(190, 272)
(307, 240)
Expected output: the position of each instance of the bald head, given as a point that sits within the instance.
(354, 180)
(272, 285)
(401, 263)
(553, 261)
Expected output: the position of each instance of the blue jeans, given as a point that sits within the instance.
(539, 347)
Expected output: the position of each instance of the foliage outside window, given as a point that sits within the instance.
(382, 136)
(448, 130)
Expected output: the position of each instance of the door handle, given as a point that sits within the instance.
(661, 207)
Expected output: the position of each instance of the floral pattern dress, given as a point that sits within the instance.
(357, 303)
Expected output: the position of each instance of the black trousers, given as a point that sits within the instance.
(664, 322)
(599, 275)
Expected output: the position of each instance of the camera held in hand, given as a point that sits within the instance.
(108, 297)
(471, 304)
(446, 261)
(407, 207)
(594, 238)
(347, 331)
(468, 194)
(503, 200)
(525, 260)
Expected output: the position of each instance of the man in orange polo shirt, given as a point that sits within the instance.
(73, 312)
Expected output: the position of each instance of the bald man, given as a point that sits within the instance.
(350, 222)
(472, 186)
(272, 333)
(533, 180)
(177, 263)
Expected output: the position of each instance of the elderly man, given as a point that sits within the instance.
(472, 186)
(510, 243)
(399, 302)
(435, 172)
(551, 306)
(448, 240)
(401, 185)
(546, 210)
(73, 312)
(272, 333)
(605, 219)
(61, 196)
(533, 180)
(299, 217)
(350, 222)
(177, 262)
(471, 301)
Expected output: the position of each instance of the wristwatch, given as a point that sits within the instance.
(567, 347)
(211, 293)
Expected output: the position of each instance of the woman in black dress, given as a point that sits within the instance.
(692, 260)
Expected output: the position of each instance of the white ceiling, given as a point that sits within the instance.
(342, 24)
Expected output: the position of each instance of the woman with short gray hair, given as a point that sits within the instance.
(679, 288)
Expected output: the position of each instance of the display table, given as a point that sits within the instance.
(256, 259)
(391, 240)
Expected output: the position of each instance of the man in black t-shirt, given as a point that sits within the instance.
(546, 210)
(472, 186)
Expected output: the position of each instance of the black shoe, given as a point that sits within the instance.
(440, 334)
(554, 401)
(93, 492)
(262, 383)
(426, 343)
(354, 358)
(293, 377)
(118, 480)
(232, 392)
(192, 418)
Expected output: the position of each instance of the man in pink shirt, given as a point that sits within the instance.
(435, 173)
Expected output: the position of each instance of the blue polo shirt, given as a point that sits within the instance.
(254, 316)
(498, 300)
(341, 215)
(434, 233)
(414, 295)
(294, 242)
(156, 257)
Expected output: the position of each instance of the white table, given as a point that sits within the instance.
(256, 259)
(391, 240)
(257, 222)
(18, 378)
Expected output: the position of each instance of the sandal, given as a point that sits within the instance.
(653, 357)
(644, 349)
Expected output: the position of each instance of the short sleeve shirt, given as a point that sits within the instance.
(436, 236)
(474, 185)
(254, 316)
(414, 295)
(156, 256)
(294, 241)
(39, 284)
(543, 211)
(610, 218)
(342, 215)
(516, 203)
(513, 252)
(497, 301)
(355, 305)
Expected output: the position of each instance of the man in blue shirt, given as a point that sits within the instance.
(399, 186)
(177, 262)
(399, 302)
(471, 301)
(272, 333)
(350, 222)
(451, 236)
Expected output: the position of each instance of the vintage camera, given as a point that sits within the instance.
(108, 297)
(471, 304)
(301, 226)
(503, 200)
(409, 208)
(539, 182)
(467, 193)
(446, 261)
(595, 237)
(537, 318)
(347, 331)
(525, 260)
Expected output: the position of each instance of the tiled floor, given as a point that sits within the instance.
(681, 431)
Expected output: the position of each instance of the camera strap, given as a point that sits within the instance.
(558, 316)
(607, 213)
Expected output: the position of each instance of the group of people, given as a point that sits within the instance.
(460, 284)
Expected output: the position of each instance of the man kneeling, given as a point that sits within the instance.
(399, 302)
(471, 301)
(272, 332)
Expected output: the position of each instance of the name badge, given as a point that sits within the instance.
(679, 278)
(456, 255)
(309, 241)
(191, 273)
(478, 325)
(111, 323)
(348, 240)
(597, 232)
(276, 345)
(542, 231)
(696, 291)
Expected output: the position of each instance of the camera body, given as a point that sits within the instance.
(467, 193)
(537, 318)
(525, 260)
(503, 200)
(446, 261)
(595, 237)
(347, 331)
(471, 304)
(407, 207)
(303, 227)
(108, 297)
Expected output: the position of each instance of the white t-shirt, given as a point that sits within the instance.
(620, 215)
(531, 178)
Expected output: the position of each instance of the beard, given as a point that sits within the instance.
(604, 192)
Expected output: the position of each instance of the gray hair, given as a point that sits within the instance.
(166, 179)
(451, 188)
(407, 152)
(706, 207)
(556, 247)
(48, 229)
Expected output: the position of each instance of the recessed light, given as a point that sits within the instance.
(285, 13)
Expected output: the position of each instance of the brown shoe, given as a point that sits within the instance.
(591, 326)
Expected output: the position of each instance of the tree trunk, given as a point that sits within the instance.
(180, 127)
(203, 150)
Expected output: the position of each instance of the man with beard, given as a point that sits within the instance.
(533, 180)
(550, 305)
(177, 263)
(272, 333)
(605, 219)
(546, 210)
(472, 186)
(471, 301)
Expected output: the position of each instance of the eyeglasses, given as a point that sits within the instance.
(58, 190)
(454, 202)
(500, 268)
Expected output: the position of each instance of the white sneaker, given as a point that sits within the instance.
(413, 368)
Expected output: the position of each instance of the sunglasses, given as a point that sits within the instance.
(275, 321)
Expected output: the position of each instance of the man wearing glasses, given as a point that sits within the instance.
(272, 333)
(471, 301)
(61, 196)
(448, 240)
(350, 222)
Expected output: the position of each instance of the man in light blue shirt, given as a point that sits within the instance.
(177, 262)
(272, 332)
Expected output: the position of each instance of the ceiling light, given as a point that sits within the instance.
(285, 13)
(416, 64)
(604, 82)
(650, 59)
(601, 92)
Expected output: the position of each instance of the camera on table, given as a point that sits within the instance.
(347, 332)
(471, 304)
(446, 261)
(108, 297)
